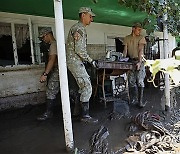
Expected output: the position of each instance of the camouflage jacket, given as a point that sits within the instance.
(76, 45)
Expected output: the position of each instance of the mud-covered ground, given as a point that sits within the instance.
(21, 133)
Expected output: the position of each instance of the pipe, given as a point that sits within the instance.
(63, 74)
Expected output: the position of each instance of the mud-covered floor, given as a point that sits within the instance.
(21, 133)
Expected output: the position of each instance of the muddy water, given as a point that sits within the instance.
(20, 133)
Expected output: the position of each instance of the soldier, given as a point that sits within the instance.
(76, 54)
(134, 49)
(51, 71)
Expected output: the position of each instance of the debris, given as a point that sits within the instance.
(99, 142)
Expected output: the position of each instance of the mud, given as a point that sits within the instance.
(21, 133)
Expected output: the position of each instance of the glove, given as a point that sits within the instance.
(94, 64)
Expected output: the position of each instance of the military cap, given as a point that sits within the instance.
(44, 31)
(86, 10)
(137, 24)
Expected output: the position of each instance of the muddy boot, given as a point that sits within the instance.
(49, 111)
(133, 96)
(140, 97)
(85, 114)
(77, 109)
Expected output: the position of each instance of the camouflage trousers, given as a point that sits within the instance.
(53, 84)
(136, 77)
(83, 80)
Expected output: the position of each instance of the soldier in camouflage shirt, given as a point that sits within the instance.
(134, 49)
(51, 71)
(76, 54)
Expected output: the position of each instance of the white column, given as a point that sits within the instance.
(31, 40)
(63, 74)
(166, 55)
(14, 44)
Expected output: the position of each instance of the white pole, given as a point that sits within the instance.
(31, 40)
(63, 74)
(166, 55)
(14, 44)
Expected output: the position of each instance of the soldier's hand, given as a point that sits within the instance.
(94, 64)
(43, 78)
(138, 65)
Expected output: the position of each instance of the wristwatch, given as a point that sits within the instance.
(45, 74)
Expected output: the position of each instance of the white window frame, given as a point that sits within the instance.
(12, 22)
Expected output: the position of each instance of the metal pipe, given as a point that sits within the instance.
(63, 74)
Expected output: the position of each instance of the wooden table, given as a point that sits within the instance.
(111, 68)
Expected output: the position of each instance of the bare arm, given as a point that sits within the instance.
(141, 52)
(51, 62)
(125, 51)
(49, 67)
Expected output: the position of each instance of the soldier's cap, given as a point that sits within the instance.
(44, 31)
(86, 10)
(137, 24)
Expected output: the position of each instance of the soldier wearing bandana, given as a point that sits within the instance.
(77, 54)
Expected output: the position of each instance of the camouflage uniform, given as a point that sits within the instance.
(135, 77)
(77, 54)
(53, 84)
(52, 73)
(53, 81)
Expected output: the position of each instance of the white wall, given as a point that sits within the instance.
(97, 32)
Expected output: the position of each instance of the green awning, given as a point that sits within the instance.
(107, 11)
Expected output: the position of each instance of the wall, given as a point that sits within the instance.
(20, 86)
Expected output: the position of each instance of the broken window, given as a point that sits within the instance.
(23, 44)
(11, 50)
(6, 47)
(6, 51)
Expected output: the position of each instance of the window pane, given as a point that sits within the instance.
(23, 44)
(6, 47)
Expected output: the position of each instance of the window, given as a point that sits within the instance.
(14, 44)
(115, 44)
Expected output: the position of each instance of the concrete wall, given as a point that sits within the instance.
(20, 86)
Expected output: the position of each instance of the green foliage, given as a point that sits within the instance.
(156, 9)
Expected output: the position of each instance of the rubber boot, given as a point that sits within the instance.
(77, 107)
(140, 97)
(49, 111)
(133, 93)
(85, 114)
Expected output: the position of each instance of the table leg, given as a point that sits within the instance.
(103, 91)
(97, 83)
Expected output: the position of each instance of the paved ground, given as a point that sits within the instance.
(20, 133)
